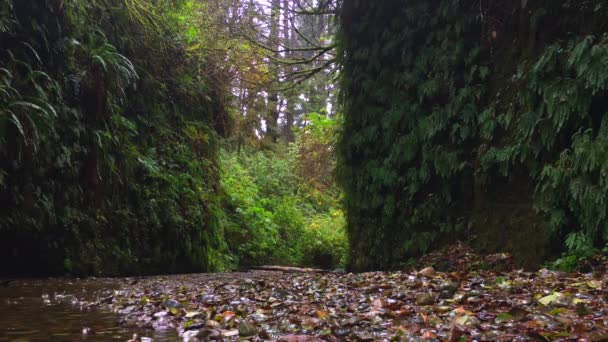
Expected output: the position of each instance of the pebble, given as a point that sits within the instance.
(172, 304)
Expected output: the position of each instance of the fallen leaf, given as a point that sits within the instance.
(552, 298)
(230, 333)
(504, 317)
(428, 272)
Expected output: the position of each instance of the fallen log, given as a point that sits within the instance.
(289, 269)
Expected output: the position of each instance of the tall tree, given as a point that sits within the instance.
(290, 96)
(272, 120)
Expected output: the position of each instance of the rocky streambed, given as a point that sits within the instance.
(402, 306)
(420, 305)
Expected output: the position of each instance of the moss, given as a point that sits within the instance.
(458, 126)
(123, 178)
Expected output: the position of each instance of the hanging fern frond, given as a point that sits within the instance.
(7, 21)
(114, 64)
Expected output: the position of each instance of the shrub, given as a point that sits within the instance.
(276, 217)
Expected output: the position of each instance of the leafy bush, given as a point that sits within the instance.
(276, 217)
(323, 242)
(581, 254)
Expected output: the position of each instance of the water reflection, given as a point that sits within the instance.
(49, 310)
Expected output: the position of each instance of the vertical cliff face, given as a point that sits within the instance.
(480, 120)
(107, 162)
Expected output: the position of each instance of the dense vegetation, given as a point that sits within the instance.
(425, 137)
(111, 117)
(108, 139)
(283, 206)
(479, 120)
(154, 136)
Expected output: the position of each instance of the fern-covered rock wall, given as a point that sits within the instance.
(107, 140)
(479, 120)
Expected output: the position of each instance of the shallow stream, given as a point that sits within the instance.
(53, 310)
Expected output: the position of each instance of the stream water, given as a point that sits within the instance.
(52, 310)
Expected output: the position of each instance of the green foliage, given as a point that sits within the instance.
(251, 232)
(323, 242)
(454, 123)
(315, 146)
(275, 217)
(107, 140)
(408, 118)
(562, 140)
(580, 251)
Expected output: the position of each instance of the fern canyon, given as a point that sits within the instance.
(477, 120)
(303, 170)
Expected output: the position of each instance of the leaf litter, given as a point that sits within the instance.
(416, 305)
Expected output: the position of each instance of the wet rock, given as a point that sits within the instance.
(258, 317)
(129, 309)
(195, 326)
(135, 338)
(349, 322)
(474, 300)
(247, 329)
(160, 314)
(208, 299)
(443, 309)
(460, 297)
(212, 324)
(446, 294)
(63, 298)
(425, 299)
(363, 307)
(106, 300)
(193, 336)
(172, 304)
(449, 287)
(230, 333)
(400, 295)
(342, 332)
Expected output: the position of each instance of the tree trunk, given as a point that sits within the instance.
(272, 119)
(288, 135)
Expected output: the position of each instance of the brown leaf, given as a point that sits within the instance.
(428, 272)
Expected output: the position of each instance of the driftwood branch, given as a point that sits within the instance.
(288, 269)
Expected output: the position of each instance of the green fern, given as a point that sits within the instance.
(113, 63)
